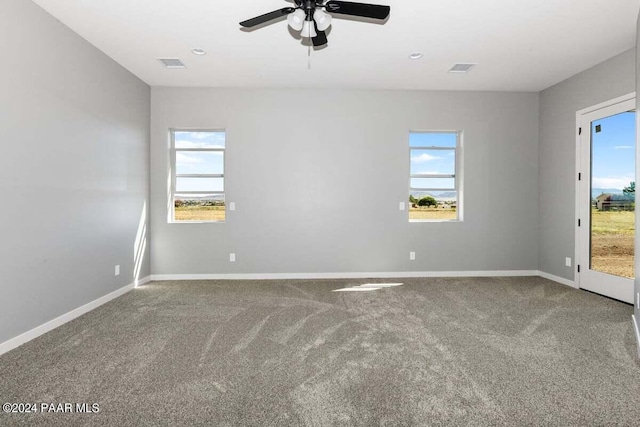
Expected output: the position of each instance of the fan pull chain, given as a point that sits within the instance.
(309, 58)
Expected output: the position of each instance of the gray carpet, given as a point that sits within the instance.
(476, 351)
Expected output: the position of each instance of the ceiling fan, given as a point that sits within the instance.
(309, 18)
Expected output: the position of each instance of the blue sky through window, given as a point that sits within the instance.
(199, 139)
(432, 161)
(199, 162)
(613, 151)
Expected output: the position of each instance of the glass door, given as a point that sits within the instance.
(606, 198)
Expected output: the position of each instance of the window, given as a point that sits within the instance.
(434, 182)
(197, 176)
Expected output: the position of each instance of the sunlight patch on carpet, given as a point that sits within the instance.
(368, 287)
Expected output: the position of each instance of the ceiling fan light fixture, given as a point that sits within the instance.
(308, 17)
(296, 19)
(308, 30)
(323, 20)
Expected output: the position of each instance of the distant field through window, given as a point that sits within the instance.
(434, 178)
(197, 176)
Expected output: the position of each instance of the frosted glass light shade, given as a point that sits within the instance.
(296, 19)
(322, 19)
(308, 30)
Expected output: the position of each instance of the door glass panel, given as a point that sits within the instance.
(613, 141)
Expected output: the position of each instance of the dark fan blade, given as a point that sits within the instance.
(321, 38)
(266, 17)
(358, 9)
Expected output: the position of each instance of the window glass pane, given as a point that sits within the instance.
(199, 162)
(433, 205)
(208, 207)
(433, 161)
(432, 139)
(440, 183)
(440, 196)
(199, 184)
(184, 139)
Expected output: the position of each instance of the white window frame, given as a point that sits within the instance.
(457, 175)
(174, 175)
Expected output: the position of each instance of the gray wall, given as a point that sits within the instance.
(317, 176)
(74, 144)
(558, 107)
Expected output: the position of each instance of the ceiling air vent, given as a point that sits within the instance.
(172, 63)
(461, 68)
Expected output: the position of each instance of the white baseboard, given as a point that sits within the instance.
(61, 320)
(558, 279)
(359, 275)
(637, 329)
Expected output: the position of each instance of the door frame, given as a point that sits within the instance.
(579, 114)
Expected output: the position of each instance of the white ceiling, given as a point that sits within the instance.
(519, 45)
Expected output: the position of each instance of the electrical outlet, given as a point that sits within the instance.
(232, 206)
(117, 270)
(232, 257)
(401, 206)
(412, 256)
(567, 261)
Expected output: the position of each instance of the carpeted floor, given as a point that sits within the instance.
(472, 351)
